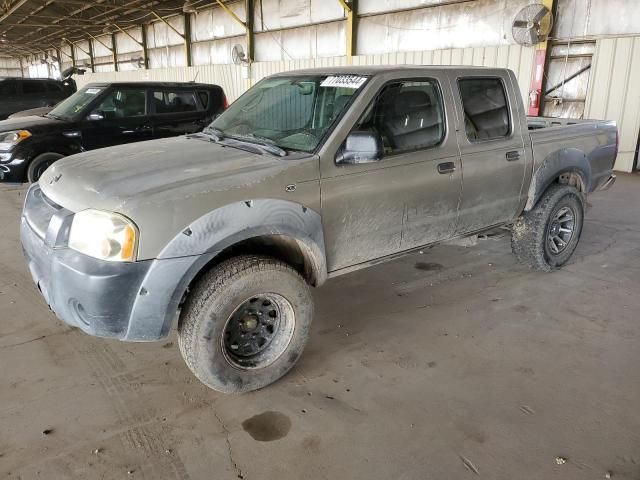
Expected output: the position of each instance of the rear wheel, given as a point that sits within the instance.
(245, 323)
(546, 237)
(39, 164)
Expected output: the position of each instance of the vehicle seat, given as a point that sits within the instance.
(411, 119)
(487, 115)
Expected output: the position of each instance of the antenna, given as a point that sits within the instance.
(196, 77)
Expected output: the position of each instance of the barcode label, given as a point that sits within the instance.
(344, 81)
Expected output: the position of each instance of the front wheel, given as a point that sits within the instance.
(546, 237)
(39, 164)
(245, 323)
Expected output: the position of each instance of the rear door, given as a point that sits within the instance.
(120, 116)
(34, 94)
(494, 158)
(56, 93)
(176, 112)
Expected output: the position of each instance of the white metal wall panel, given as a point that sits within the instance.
(167, 57)
(588, 18)
(82, 49)
(215, 23)
(126, 44)
(160, 35)
(378, 6)
(275, 14)
(217, 51)
(614, 92)
(475, 23)
(10, 67)
(99, 47)
(324, 40)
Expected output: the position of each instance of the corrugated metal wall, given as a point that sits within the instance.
(10, 67)
(230, 77)
(614, 92)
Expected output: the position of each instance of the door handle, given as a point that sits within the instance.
(513, 156)
(446, 167)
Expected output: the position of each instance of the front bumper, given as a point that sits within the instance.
(135, 301)
(12, 168)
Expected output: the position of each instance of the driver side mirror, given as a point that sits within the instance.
(361, 147)
(95, 116)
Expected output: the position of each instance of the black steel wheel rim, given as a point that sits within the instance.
(561, 230)
(258, 331)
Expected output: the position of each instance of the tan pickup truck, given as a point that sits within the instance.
(309, 175)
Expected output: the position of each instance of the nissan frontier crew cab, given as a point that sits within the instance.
(309, 175)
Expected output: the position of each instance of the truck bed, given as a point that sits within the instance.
(592, 143)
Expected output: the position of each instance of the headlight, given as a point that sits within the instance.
(104, 235)
(8, 140)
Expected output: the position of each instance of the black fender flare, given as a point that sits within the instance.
(566, 160)
(197, 245)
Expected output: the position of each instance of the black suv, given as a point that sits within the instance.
(102, 115)
(19, 94)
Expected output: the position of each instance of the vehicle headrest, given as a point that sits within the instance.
(410, 101)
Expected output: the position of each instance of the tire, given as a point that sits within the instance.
(230, 334)
(537, 237)
(39, 164)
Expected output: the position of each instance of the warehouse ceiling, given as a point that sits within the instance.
(32, 26)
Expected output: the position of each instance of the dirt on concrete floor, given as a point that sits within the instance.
(455, 363)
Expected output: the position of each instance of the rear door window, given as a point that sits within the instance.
(34, 88)
(175, 101)
(8, 88)
(486, 110)
(204, 98)
(54, 87)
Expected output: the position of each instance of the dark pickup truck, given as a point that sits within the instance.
(17, 94)
(309, 175)
(102, 115)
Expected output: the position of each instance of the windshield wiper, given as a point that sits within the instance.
(55, 117)
(214, 133)
(266, 143)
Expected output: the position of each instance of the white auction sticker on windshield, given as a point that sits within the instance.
(93, 91)
(344, 81)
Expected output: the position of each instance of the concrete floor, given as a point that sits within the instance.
(456, 363)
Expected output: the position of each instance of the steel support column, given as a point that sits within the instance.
(92, 57)
(249, 8)
(351, 9)
(536, 97)
(114, 52)
(145, 49)
(187, 38)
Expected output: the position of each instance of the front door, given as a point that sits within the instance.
(120, 117)
(407, 198)
(494, 159)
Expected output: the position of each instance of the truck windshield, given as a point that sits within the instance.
(292, 113)
(72, 106)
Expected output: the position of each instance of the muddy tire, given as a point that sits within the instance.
(245, 323)
(39, 164)
(545, 237)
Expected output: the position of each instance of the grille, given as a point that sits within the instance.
(38, 211)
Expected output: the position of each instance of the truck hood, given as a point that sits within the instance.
(124, 177)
